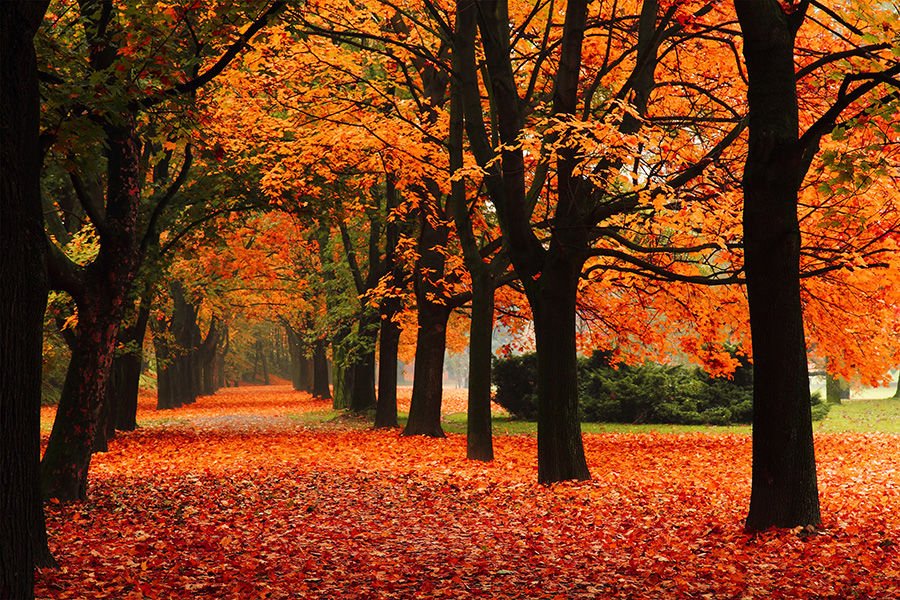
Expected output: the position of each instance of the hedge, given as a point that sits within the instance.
(649, 393)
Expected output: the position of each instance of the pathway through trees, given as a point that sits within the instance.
(253, 492)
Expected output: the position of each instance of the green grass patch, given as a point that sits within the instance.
(505, 425)
(864, 416)
(858, 416)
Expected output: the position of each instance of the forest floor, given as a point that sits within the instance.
(263, 492)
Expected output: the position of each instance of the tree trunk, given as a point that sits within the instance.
(479, 442)
(127, 370)
(784, 491)
(265, 363)
(23, 296)
(321, 389)
(342, 373)
(428, 377)
(206, 358)
(184, 321)
(560, 447)
(296, 351)
(165, 398)
(127, 375)
(305, 372)
(388, 344)
(67, 458)
(362, 397)
(897, 393)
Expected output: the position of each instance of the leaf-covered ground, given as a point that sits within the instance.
(248, 494)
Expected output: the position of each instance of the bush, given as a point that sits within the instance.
(648, 393)
(516, 381)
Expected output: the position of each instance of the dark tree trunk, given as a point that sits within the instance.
(305, 373)
(321, 389)
(184, 325)
(341, 371)
(362, 397)
(68, 455)
(389, 337)
(343, 381)
(550, 275)
(388, 345)
(126, 380)
(897, 393)
(102, 434)
(23, 296)
(206, 358)
(295, 349)
(479, 441)
(433, 314)
(428, 377)
(560, 448)
(784, 492)
(165, 398)
(221, 379)
(127, 369)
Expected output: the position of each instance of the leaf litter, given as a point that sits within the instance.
(214, 503)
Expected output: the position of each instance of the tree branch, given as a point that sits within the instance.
(233, 50)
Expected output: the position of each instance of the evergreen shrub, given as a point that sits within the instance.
(648, 393)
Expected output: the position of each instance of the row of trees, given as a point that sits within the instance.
(360, 172)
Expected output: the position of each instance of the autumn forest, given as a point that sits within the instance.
(449, 298)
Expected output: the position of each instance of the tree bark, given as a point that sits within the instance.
(165, 398)
(428, 377)
(206, 358)
(784, 491)
(388, 345)
(23, 297)
(342, 372)
(560, 448)
(295, 349)
(362, 397)
(431, 339)
(390, 307)
(321, 389)
(128, 367)
(479, 440)
(549, 275)
(67, 458)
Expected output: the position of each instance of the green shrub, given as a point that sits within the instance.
(648, 393)
(516, 380)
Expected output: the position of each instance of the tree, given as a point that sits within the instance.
(587, 203)
(22, 301)
(784, 489)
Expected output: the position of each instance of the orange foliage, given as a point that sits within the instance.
(236, 499)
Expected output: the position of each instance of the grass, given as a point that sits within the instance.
(506, 425)
(877, 415)
(858, 416)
